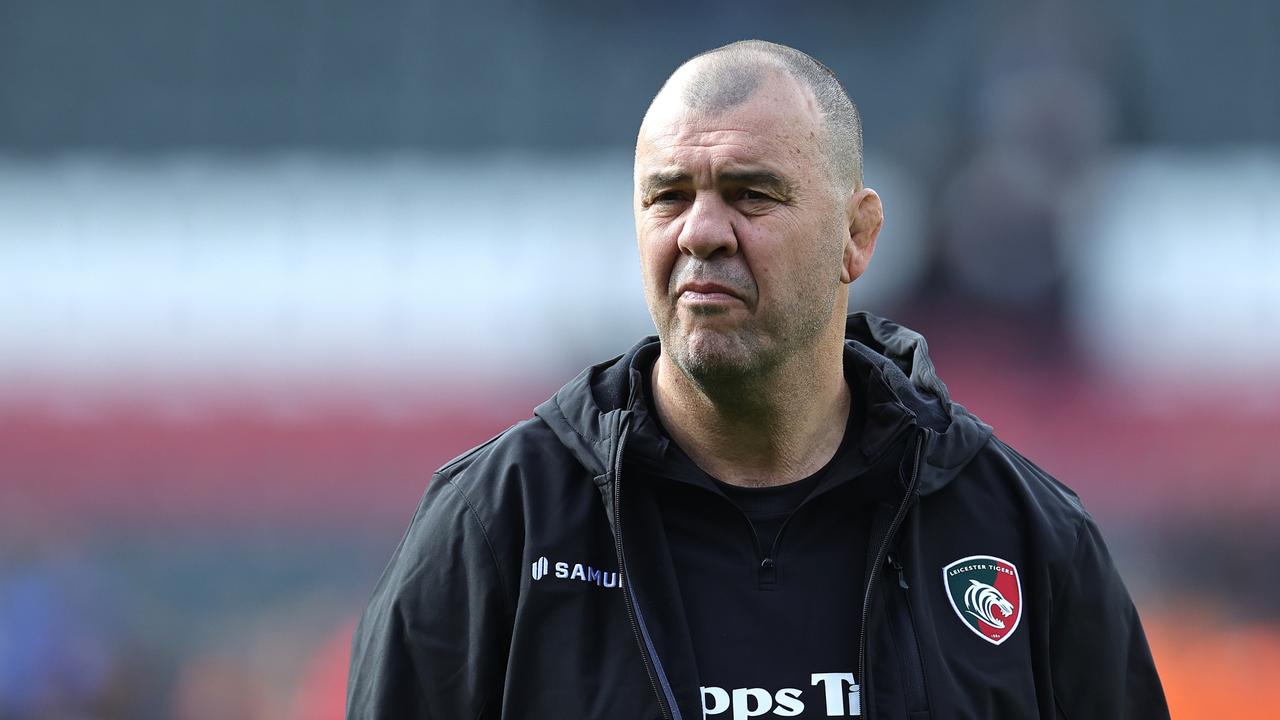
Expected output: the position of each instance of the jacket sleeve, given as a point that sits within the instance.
(433, 641)
(1101, 664)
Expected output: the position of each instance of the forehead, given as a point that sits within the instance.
(778, 125)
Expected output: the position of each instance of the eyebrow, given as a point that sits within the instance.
(759, 178)
(662, 179)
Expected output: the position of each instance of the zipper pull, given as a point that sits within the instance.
(892, 562)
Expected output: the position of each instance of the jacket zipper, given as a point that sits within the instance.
(881, 553)
(912, 673)
(633, 612)
(766, 567)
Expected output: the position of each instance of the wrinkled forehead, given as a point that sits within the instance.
(778, 123)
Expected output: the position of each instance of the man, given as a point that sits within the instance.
(771, 509)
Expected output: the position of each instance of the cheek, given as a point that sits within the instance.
(658, 252)
(793, 264)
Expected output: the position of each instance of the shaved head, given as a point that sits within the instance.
(751, 223)
(721, 79)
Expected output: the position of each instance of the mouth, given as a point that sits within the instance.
(706, 293)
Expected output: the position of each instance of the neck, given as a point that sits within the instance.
(762, 431)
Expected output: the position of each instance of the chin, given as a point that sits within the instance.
(711, 356)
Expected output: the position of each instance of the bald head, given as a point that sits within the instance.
(724, 78)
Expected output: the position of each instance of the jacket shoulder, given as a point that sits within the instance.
(527, 445)
(1037, 479)
(473, 511)
(1042, 502)
(513, 473)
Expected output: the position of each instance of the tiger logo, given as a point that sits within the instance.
(986, 594)
(981, 600)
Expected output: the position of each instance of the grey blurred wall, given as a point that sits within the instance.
(153, 75)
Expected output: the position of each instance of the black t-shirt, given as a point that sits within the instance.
(771, 580)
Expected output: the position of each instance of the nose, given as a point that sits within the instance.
(708, 228)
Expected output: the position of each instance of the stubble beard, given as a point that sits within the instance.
(718, 360)
(727, 362)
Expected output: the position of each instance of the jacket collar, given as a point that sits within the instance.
(902, 389)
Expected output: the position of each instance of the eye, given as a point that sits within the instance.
(665, 199)
(754, 196)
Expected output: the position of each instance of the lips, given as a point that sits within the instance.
(706, 290)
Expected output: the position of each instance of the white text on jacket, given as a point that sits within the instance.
(842, 696)
(577, 571)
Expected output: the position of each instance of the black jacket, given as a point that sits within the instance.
(505, 600)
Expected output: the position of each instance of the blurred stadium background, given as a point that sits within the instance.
(264, 266)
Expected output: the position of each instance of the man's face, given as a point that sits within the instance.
(741, 230)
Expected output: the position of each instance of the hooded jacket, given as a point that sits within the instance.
(534, 580)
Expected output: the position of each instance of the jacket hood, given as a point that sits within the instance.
(901, 390)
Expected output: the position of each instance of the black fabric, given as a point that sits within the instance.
(536, 581)
(766, 626)
(767, 508)
(767, 614)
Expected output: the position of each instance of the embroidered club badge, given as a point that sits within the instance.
(986, 594)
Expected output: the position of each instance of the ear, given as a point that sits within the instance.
(865, 216)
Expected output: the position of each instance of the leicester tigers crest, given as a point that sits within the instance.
(986, 593)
